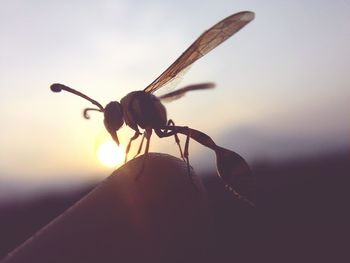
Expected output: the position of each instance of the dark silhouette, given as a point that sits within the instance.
(141, 109)
(301, 214)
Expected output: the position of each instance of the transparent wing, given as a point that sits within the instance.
(172, 84)
(181, 92)
(209, 40)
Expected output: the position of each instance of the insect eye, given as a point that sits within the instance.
(113, 119)
(113, 116)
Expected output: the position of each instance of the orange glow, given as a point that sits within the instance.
(109, 154)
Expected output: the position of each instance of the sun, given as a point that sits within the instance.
(109, 154)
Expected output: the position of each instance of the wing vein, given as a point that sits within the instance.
(206, 42)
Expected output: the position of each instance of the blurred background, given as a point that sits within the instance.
(281, 101)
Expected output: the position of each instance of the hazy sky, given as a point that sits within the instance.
(285, 75)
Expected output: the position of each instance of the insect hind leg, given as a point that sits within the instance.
(177, 140)
(172, 130)
(229, 164)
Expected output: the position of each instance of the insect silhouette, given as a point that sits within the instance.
(142, 109)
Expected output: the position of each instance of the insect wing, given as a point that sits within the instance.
(209, 40)
(172, 84)
(179, 93)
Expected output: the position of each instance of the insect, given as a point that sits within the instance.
(142, 109)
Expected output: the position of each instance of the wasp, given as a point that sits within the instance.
(143, 110)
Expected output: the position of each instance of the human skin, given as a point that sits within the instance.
(158, 215)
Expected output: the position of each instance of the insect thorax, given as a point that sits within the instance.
(143, 109)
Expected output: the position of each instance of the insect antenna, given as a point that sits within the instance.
(56, 87)
(85, 112)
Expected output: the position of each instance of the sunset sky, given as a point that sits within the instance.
(282, 82)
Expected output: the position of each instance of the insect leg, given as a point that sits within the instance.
(171, 130)
(177, 140)
(148, 134)
(136, 135)
(148, 138)
(231, 167)
(186, 152)
(140, 147)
